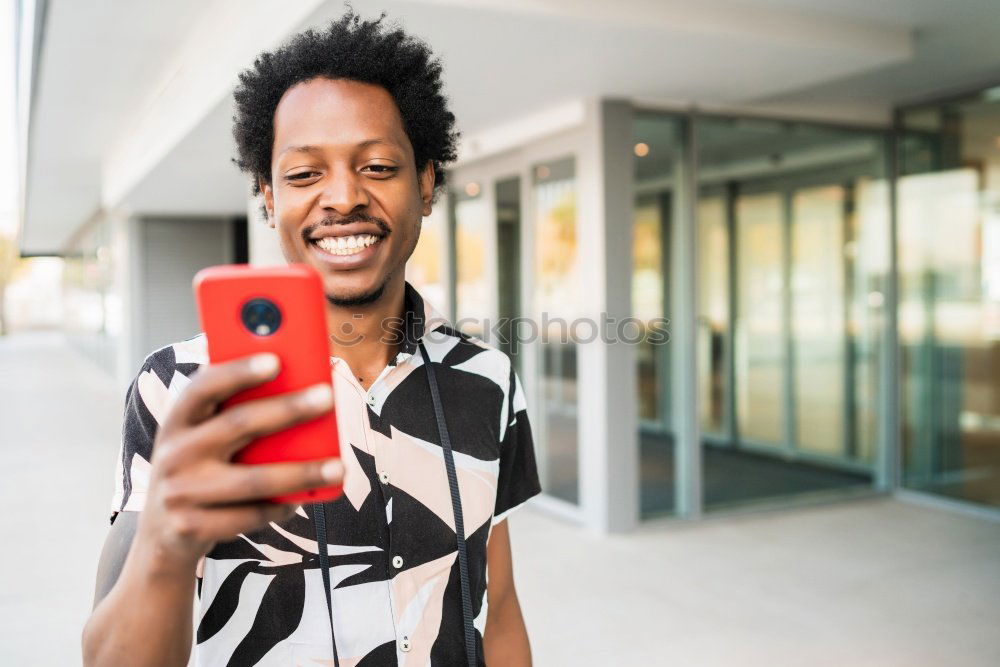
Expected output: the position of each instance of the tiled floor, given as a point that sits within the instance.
(874, 582)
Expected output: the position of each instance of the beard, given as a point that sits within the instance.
(363, 299)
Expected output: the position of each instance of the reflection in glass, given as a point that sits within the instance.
(656, 146)
(472, 220)
(92, 311)
(760, 349)
(557, 304)
(819, 295)
(793, 240)
(949, 298)
(508, 212)
(713, 313)
(425, 269)
(648, 301)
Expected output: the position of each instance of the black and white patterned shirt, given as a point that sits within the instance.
(394, 568)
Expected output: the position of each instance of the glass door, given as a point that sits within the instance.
(656, 147)
(508, 223)
(792, 223)
(472, 234)
(949, 304)
(760, 351)
(557, 304)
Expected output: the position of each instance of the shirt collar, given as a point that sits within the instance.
(414, 317)
(420, 319)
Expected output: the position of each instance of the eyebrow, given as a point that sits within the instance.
(308, 148)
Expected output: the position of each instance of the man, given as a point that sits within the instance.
(345, 133)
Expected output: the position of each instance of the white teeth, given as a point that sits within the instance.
(346, 245)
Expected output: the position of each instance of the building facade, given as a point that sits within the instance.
(716, 303)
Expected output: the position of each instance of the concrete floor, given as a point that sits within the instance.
(875, 582)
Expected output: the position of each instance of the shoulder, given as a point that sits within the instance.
(166, 371)
(464, 353)
(184, 357)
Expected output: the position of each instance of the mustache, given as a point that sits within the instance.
(359, 216)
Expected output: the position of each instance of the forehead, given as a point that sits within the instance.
(336, 112)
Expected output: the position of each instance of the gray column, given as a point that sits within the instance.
(609, 453)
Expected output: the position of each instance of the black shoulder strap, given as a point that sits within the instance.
(456, 505)
(319, 515)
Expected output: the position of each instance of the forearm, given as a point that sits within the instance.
(505, 639)
(146, 618)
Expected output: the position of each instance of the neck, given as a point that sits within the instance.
(367, 337)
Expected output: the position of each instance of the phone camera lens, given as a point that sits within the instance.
(261, 317)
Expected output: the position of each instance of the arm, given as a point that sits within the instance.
(195, 498)
(505, 641)
(116, 548)
(166, 590)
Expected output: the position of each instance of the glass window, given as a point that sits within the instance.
(949, 297)
(819, 297)
(508, 213)
(713, 312)
(425, 270)
(760, 344)
(473, 291)
(793, 238)
(656, 147)
(557, 303)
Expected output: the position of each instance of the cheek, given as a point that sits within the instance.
(406, 210)
(409, 231)
(290, 209)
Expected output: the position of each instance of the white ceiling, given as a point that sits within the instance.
(836, 58)
(95, 58)
(956, 47)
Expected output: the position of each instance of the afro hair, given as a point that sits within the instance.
(349, 48)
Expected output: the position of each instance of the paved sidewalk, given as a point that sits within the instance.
(873, 582)
(59, 432)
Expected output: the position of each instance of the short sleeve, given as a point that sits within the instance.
(518, 477)
(147, 400)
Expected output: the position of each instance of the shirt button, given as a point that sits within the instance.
(404, 645)
(371, 400)
(397, 562)
(383, 477)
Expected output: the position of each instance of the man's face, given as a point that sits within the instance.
(345, 195)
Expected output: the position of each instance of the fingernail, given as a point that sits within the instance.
(319, 396)
(332, 470)
(265, 364)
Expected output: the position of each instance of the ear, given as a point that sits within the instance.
(268, 192)
(427, 187)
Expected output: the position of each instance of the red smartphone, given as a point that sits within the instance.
(246, 310)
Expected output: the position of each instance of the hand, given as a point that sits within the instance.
(197, 496)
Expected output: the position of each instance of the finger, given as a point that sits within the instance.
(213, 384)
(225, 523)
(234, 428)
(238, 483)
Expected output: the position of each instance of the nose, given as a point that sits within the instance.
(343, 191)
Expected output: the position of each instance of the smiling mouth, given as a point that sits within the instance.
(346, 245)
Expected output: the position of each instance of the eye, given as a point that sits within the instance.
(380, 170)
(301, 175)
